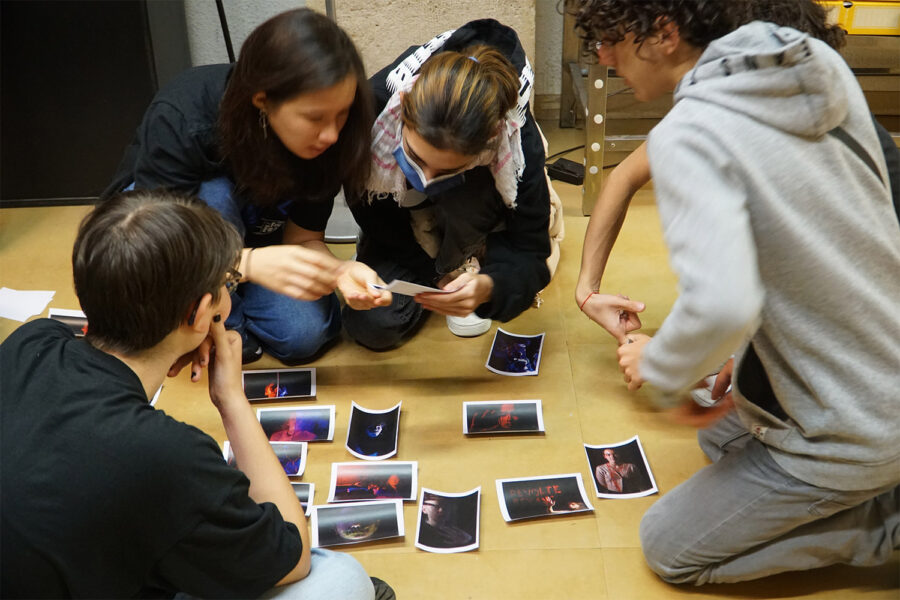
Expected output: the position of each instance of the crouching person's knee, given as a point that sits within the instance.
(663, 552)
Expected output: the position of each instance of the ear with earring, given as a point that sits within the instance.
(264, 123)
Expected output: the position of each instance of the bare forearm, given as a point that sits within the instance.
(607, 218)
(255, 457)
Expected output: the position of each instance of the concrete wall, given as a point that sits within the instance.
(382, 29)
(548, 46)
(205, 33)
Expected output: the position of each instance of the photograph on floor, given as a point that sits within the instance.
(506, 416)
(528, 497)
(515, 355)
(298, 423)
(621, 470)
(373, 481)
(292, 456)
(73, 319)
(305, 493)
(448, 522)
(356, 523)
(279, 384)
(372, 434)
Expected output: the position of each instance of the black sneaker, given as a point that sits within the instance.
(382, 590)
(251, 350)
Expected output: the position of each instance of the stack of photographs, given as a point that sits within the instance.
(448, 522)
(356, 523)
(620, 470)
(503, 416)
(529, 497)
(515, 355)
(372, 434)
(298, 423)
(279, 384)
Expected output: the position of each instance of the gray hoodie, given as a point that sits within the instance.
(780, 234)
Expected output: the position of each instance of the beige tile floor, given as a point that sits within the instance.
(588, 556)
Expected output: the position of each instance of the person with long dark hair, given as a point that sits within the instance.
(269, 142)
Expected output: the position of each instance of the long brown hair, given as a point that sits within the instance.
(460, 98)
(295, 52)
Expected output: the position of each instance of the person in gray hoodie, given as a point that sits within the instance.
(777, 212)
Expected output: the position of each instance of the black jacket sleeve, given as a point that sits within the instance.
(516, 258)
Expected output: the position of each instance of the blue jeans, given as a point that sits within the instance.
(744, 517)
(292, 331)
(332, 576)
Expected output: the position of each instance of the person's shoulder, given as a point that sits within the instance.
(39, 328)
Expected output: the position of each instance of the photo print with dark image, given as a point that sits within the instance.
(372, 434)
(356, 523)
(515, 355)
(228, 454)
(503, 416)
(292, 456)
(393, 480)
(297, 423)
(75, 320)
(528, 497)
(305, 493)
(448, 522)
(620, 470)
(279, 384)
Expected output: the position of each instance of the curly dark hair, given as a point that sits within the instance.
(807, 16)
(699, 21)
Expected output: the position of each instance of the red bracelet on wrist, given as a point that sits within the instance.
(581, 308)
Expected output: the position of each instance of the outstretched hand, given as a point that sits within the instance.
(294, 271)
(355, 281)
(616, 314)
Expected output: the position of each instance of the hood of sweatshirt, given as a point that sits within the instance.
(768, 73)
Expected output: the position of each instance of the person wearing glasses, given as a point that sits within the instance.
(268, 142)
(106, 497)
(618, 314)
(457, 197)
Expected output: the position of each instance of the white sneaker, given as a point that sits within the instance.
(469, 326)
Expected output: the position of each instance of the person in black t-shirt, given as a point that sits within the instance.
(104, 496)
(269, 142)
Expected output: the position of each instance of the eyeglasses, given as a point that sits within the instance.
(232, 279)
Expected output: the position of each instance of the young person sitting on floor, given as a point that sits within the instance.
(106, 497)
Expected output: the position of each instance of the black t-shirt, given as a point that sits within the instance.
(104, 496)
(176, 147)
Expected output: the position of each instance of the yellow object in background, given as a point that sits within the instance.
(872, 17)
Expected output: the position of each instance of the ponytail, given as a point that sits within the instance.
(460, 98)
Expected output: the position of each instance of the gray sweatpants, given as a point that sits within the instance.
(744, 517)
